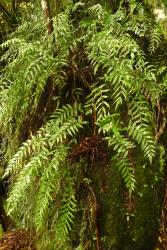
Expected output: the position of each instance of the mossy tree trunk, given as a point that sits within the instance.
(123, 222)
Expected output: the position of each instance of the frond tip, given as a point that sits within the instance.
(66, 216)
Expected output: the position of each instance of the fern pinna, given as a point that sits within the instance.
(93, 77)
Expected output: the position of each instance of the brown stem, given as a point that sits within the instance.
(47, 14)
(96, 218)
(13, 6)
(162, 126)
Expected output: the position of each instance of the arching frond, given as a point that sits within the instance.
(155, 38)
(97, 100)
(121, 146)
(140, 129)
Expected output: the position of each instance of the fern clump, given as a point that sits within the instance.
(92, 79)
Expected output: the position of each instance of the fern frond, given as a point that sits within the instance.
(116, 56)
(140, 127)
(127, 172)
(25, 181)
(155, 39)
(138, 26)
(49, 186)
(96, 10)
(136, 6)
(66, 216)
(32, 145)
(67, 111)
(69, 128)
(97, 100)
(54, 132)
(122, 147)
(63, 32)
(11, 42)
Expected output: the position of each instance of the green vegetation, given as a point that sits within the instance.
(82, 121)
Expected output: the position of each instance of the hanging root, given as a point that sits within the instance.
(91, 148)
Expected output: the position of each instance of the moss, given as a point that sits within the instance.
(145, 221)
(121, 229)
(112, 222)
